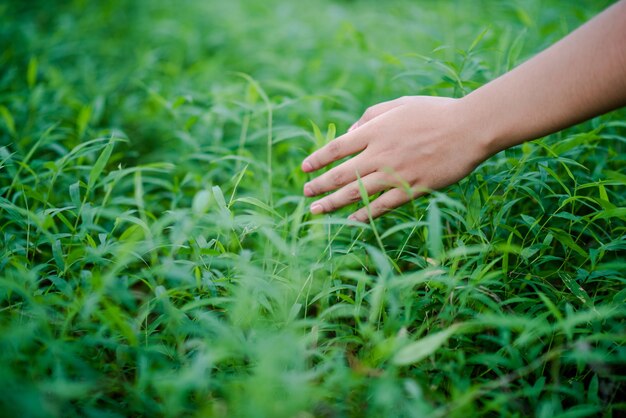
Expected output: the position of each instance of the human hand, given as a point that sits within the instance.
(405, 147)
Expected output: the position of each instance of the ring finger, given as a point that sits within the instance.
(372, 183)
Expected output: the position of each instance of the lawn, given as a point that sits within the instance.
(157, 256)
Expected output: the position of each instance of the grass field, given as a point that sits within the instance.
(157, 257)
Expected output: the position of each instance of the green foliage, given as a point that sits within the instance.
(157, 257)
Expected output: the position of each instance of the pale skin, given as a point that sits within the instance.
(408, 146)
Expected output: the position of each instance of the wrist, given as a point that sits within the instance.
(478, 127)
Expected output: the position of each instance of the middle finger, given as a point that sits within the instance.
(339, 176)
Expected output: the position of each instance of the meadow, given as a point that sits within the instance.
(157, 255)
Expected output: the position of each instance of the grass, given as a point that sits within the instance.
(157, 257)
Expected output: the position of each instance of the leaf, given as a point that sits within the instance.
(477, 40)
(132, 233)
(138, 192)
(616, 176)
(97, 168)
(568, 216)
(75, 193)
(319, 138)
(524, 17)
(258, 203)
(201, 202)
(57, 254)
(435, 242)
(332, 131)
(278, 241)
(619, 213)
(84, 115)
(602, 192)
(592, 391)
(8, 119)
(381, 262)
(515, 50)
(31, 72)
(577, 290)
(252, 94)
(567, 240)
(423, 348)
(474, 207)
(221, 204)
(219, 197)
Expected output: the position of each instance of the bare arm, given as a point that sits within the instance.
(581, 76)
(431, 142)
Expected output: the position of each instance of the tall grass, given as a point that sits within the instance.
(157, 257)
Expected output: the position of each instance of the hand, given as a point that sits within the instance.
(405, 147)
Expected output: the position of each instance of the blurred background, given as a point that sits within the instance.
(125, 61)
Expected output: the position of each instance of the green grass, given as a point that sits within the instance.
(157, 257)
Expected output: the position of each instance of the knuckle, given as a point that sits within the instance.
(357, 216)
(380, 207)
(334, 149)
(360, 215)
(369, 113)
(328, 205)
(337, 179)
(314, 160)
(385, 179)
(354, 194)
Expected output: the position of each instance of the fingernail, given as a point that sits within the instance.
(352, 218)
(316, 208)
(306, 166)
(307, 190)
(352, 127)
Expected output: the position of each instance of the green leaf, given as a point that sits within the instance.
(201, 202)
(567, 240)
(619, 213)
(219, 197)
(577, 290)
(477, 40)
(132, 233)
(8, 119)
(31, 72)
(317, 133)
(82, 120)
(75, 193)
(57, 254)
(278, 242)
(592, 391)
(423, 348)
(515, 50)
(435, 241)
(602, 192)
(331, 132)
(381, 262)
(523, 16)
(96, 170)
(258, 203)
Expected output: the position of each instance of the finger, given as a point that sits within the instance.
(375, 111)
(388, 201)
(336, 149)
(373, 183)
(339, 176)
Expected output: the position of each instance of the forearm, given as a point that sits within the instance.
(579, 77)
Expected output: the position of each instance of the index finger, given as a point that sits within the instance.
(336, 149)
